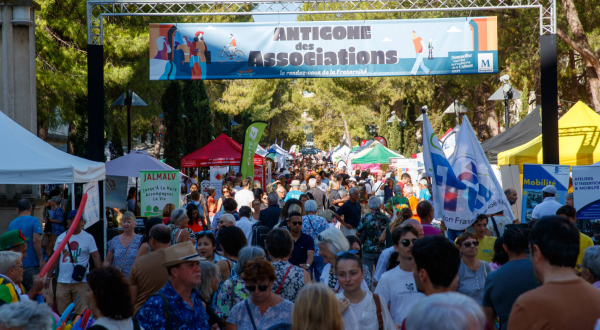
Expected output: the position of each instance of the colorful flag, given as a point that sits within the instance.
(253, 134)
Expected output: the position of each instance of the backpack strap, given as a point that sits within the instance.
(495, 226)
(379, 315)
(170, 318)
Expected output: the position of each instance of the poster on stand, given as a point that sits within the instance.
(91, 213)
(535, 178)
(217, 174)
(259, 175)
(586, 191)
(116, 191)
(204, 188)
(157, 189)
(407, 165)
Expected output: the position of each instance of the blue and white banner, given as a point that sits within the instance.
(466, 186)
(535, 178)
(193, 51)
(586, 191)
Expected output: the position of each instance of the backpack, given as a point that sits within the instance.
(362, 193)
(259, 234)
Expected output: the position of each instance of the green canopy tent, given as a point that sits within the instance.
(377, 155)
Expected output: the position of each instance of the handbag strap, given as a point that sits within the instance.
(250, 314)
(71, 254)
(283, 279)
(126, 251)
(379, 315)
(495, 226)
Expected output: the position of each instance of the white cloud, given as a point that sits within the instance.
(453, 29)
(210, 27)
(386, 40)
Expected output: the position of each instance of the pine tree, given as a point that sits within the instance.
(116, 145)
(205, 127)
(172, 105)
(191, 136)
(79, 138)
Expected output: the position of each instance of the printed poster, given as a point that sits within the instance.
(328, 49)
(535, 178)
(91, 213)
(157, 189)
(217, 174)
(116, 191)
(586, 191)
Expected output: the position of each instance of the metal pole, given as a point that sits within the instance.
(549, 78)
(506, 114)
(128, 102)
(95, 106)
(456, 111)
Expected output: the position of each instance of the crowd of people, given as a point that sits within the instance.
(315, 248)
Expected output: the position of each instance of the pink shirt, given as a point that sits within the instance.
(429, 230)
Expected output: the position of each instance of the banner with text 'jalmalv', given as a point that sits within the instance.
(193, 51)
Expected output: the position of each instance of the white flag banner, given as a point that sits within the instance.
(466, 185)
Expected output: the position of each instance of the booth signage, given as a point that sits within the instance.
(328, 49)
(586, 191)
(217, 175)
(157, 189)
(535, 178)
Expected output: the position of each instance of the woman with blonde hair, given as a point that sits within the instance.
(316, 308)
(166, 213)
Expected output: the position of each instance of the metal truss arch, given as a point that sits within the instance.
(96, 10)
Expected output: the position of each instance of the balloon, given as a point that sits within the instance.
(85, 319)
(62, 244)
(66, 313)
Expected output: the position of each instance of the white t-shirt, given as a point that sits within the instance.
(363, 315)
(82, 245)
(383, 263)
(398, 289)
(548, 207)
(323, 186)
(367, 186)
(244, 198)
(378, 189)
(246, 226)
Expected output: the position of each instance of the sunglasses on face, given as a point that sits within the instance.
(468, 244)
(341, 253)
(407, 242)
(296, 223)
(261, 288)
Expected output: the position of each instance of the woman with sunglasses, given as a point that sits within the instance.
(255, 210)
(225, 193)
(332, 244)
(359, 308)
(207, 246)
(472, 271)
(264, 200)
(397, 286)
(264, 309)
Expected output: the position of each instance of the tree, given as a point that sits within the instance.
(79, 137)
(172, 105)
(116, 145)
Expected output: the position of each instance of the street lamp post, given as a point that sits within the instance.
(129, 99)
(507, 91)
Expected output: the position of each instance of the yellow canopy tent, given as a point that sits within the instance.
(579, 134)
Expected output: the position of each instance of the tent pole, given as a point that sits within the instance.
(105, 222)
(73, 196)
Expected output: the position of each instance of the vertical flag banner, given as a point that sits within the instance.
(535, 178)
(586, 191)
(157, 189)
(253, 134)
(466, 187)
(327, 49)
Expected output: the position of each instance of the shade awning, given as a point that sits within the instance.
(131, 164)
(222, 151)
(377, 155)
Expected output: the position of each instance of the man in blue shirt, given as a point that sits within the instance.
(294, 192)
(504, 285)
(179, 298)
(352, 213)
(424, 194)
(32, 230)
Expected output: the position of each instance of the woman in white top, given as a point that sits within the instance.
(359, 308)
(331, 241)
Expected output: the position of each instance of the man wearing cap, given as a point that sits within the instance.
(548, 206)
(77, 252)
(31, 229)
(178, 299)
(424, 194)
(294, 192)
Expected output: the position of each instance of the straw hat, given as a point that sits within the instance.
(180, 253)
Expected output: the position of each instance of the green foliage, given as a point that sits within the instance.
(79, 138)
(172, 105)
(116, 145)
(197, 122)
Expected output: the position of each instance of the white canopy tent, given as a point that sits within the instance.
(29, 160)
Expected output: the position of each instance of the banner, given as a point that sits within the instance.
(328, 49)
(586, 191)
(157, 189)
(259, 175)
(407, 165)
(217, 174)
(116, 191)
(535, 178)
(466, 186)
(253, 134)
(91, 212)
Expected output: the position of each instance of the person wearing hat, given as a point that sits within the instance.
(424, 194)
(178, 299)
(548, 206)
(77, 252)
(31, 229)
(294, 191)
(14, 240)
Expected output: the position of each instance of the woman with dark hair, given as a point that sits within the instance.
(500, 256)
(110, 300)
(285, 209)
(289, 278)
(472, 271)
(195, 219)
(359, 308)
(264, 309)
(225, 193)
(232, 240)
(207, 246)
(357, 246)
(131, 200)
(145, 247)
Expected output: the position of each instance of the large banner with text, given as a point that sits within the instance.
(157, 189)
(586, 191)
(535, 178)
(194, 51)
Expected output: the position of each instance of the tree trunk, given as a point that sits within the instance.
(144, 137)
(70, 145)
(347, 133)
(572, 72)
(42, 132)
(580, 43)
(161, 129)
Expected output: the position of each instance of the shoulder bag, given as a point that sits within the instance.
(283, 280)
(379, 315)
(78, 270)
(170, 318)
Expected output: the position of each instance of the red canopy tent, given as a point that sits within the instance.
(221, 151)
